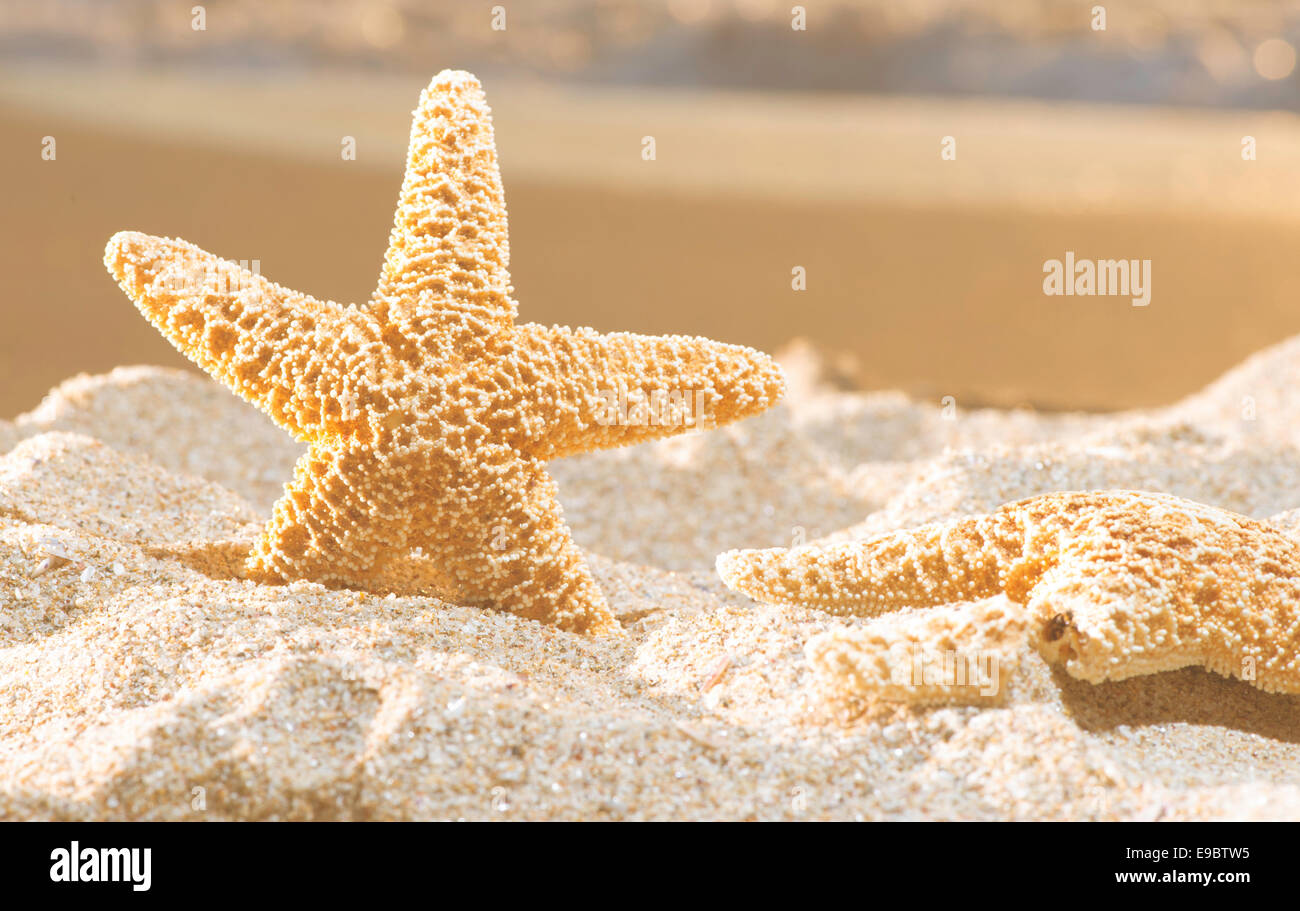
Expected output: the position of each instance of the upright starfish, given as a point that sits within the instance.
(1120, 583)
(429, 412)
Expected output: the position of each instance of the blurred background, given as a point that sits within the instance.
(788, 139)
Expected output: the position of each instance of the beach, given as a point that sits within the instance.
(996, 252)
(143, 679)
(920, 274)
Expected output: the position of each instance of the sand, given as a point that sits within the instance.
(140, 678)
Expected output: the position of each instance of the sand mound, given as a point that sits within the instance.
(142, 677)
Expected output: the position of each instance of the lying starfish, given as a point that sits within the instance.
(1120, 583)
(429, 412)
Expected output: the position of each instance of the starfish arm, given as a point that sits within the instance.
(340, 521)
(880, 659)
(597, 391)
(927, 566)
(270, 345)
(445, 284)
(499, 538)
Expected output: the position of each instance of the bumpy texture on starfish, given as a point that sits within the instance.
(1119, 583)
(429, 412)
(961, 654)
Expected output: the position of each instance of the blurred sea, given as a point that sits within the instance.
(1215, 53)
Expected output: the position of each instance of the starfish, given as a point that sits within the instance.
(1119, 583)
(429, 413)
